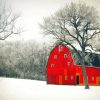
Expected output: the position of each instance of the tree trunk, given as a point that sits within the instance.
(84, 72)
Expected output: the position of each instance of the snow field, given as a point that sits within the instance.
(23, 89)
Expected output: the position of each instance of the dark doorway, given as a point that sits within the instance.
(77, 80)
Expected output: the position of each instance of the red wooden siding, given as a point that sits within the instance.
(62, 70)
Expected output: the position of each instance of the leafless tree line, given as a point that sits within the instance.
(23, 60)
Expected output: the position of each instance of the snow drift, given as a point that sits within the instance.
(22, 89)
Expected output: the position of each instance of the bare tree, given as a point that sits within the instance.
(7, 21)
(75, 24)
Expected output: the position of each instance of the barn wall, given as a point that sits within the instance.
(62, 70)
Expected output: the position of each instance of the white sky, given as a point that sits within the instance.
(33, 11)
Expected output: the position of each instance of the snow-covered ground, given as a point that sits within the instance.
(21, 89)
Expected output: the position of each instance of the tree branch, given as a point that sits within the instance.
(95, 33)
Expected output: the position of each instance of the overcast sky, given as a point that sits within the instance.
(33, 11)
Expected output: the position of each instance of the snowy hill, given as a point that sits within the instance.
(21, 89)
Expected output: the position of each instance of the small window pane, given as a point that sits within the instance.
(55, 56)
(68, 63)
(60, 48)
(52, 65)
(72, 77)
(65, 55)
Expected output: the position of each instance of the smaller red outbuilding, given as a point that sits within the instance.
(61, 69)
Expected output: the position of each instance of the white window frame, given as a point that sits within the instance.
(68, 63)
(52, 65)
(60, 48)
(65, 55)
(72, 77)
(55, 56)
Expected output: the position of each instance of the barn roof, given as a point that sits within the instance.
(94, 55)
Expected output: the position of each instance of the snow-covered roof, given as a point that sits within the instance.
(88, 49)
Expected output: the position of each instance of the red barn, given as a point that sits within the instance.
(61, 69)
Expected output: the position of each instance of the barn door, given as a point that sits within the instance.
(77, 80)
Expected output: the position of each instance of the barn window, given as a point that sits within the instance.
(92, 78)
(68, 63)
(66, 77)
(65, 55)
(55, 56)
(72, 77)
(60, 48)
(52, 65)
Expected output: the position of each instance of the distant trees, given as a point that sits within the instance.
(23, 60)
(27, 59)
(19, 59)
(7, 21)
(74, 25)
